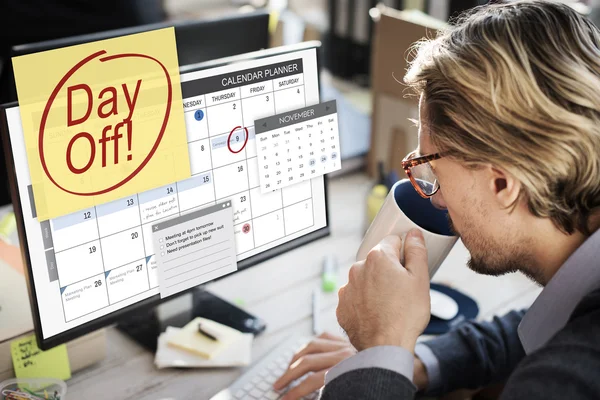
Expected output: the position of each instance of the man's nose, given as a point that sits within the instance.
(438, 200)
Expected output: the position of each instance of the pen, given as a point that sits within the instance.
(316, 306)
(208, 332)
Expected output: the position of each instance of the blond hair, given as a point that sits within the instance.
(518, 85)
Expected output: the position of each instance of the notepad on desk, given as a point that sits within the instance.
(189, 339)
(237, 353)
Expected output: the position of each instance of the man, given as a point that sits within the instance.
(510, 109)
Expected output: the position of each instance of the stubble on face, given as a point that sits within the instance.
(489, 255)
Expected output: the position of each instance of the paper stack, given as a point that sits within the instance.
(187, 348)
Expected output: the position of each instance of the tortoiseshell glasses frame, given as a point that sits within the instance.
(410, 161)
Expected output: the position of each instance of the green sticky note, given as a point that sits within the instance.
(239, 301)
(8, 224)
(31, 362)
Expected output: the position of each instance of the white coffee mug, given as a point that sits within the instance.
(403, 210)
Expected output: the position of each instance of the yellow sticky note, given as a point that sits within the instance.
(31, 362)
(102, 120)
(273, 20)
(188, 338)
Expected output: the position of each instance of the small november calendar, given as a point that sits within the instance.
(297, 145)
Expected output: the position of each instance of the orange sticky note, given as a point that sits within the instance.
(11, 255)
(102, 120)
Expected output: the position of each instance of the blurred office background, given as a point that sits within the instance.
(358, 63)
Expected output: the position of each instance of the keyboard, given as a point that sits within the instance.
(257, 382)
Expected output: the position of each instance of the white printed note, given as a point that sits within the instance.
(194, 248)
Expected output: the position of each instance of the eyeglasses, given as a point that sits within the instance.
(421, 173)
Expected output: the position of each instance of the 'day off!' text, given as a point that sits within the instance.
(103, 104)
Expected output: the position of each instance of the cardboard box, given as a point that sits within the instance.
(288, 28)
(395, 32)
(399, 140)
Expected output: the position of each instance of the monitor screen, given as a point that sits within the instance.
(87, 268)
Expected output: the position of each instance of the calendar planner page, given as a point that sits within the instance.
(91, 263)
(298, 145)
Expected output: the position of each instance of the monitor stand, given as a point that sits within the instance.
(145, 325)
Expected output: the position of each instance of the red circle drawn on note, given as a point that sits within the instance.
(246, 228)
(59, 86)
(229, 137)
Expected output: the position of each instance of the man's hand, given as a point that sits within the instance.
(317, 357)
(385, 303)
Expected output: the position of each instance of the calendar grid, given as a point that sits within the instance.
(106, 306)
(248, 177)
(280, 192)
(144, 240)
(195, 207)
(64, 312)
(211, 162)
(224, 165)
(83, 243)
(101, 256)
(81, 316)
(275, 240)
(304, 91)
(271, 218)
(256, 95)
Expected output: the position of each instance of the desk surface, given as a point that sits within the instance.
(284, 301)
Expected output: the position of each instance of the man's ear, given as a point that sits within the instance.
(504, 187)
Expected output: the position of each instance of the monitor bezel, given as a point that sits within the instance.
(153, 301)
(52, 44)
(178, 25)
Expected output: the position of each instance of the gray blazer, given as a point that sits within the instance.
(479, 354)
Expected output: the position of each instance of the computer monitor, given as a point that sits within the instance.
(75, 290)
